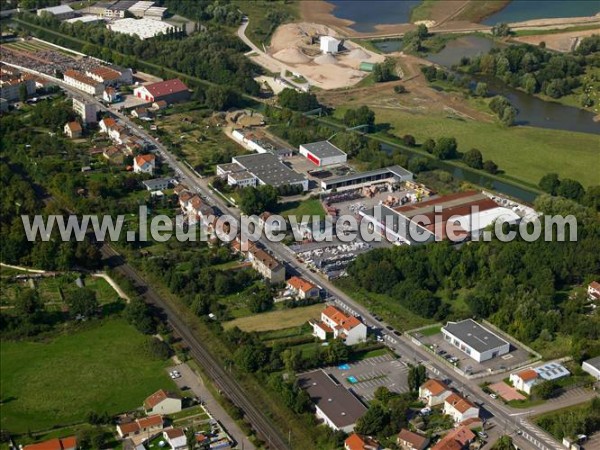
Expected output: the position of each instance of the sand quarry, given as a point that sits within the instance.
(297, 46)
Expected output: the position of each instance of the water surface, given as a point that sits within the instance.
(366, 14)
(521, 10)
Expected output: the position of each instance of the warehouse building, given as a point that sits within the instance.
(143, 28)
(334, 404)
(171, 91)
(61, 12)
(323, 153)
(358, 180)
(457, 216)
(266, 168)
(475, 340)
(592, 366)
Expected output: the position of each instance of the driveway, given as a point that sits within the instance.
(196, 385)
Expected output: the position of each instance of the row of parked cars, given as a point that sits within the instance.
(447, 356)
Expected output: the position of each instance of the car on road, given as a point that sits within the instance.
(397, 333)
(494, 396)
(389, 327)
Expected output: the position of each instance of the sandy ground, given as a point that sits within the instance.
(562, 42)
(296, 45)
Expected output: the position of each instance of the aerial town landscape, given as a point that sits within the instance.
(287, 224)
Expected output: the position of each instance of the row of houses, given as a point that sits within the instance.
(96, 80)
(336, 324)
(126, 144)
(434, 393)
(456, 439)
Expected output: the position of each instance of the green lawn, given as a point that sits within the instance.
(431, 331)
(276, 320)
(309, 207)
(58, 382)
(523, 153)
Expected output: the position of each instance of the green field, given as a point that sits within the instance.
(58, 382)
(277, 320)
(523, 153)
(310, 207)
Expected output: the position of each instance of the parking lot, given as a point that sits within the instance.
(364, 377)
(517, 356)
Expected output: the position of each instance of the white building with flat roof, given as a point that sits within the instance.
(329, 44)
(592, 366)
(143, 28)
(475, 340)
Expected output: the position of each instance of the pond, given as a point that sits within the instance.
(532, 111)
(391, 46)
(367, 14)
(522, 10)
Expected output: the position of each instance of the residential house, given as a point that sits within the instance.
(434, 392)
(114, 154)
(341, 326)
(140, 113)
(180, 188)
(407, 440)
(184, 200)
(73, 130)
(302, 288)
(107, 124)
(68, 443)
(111, 95)
(156, 184)
(526, 379)
(162, 402)
(459, 408)
(144, 164)
(150, 424)
(176, 438)
(270, 223)
(457, 439)
(593, 291)
(266, 265)
(359, 442)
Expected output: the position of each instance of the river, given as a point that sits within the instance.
(532, 111)
(522, 10)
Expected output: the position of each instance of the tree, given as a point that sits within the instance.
(361, 116)
(373, 421)
(255, 200)
(336, 352)
(260, 301)
(409, 140)
(481, 89)
(137, 313)
(549, 183)
(570, 189)
(417, 375)
(509, 114)
(504, 443)
(400, 89)
(221, 97)
(298, 101)
(445, 148)
(544, 390)
(83, 302)
(501, 30)
(473, 158)
(490, 167)
(28, 304)
(592, 197)
(429, 145)
(157, 349)
(383, 395)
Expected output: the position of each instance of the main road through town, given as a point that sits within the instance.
(512, 421)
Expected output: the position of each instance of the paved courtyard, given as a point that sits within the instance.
(364, 377)
(505, 391)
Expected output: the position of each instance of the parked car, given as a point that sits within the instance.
(494, 396)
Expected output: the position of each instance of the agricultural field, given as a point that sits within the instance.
(524, 153)
(277, 320)
(59, 381)
(36, 46)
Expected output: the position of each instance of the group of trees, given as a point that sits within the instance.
(571, 189)
(255, 200)
(220, 12)
(413, 40)
(505, 111)
(535, 69)
(385, 71)
(517, 285)
(473, 158)
(584, 419)
(363, 115)
(387, 414)
(298, 101)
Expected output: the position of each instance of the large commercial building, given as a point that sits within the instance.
(61, 12)
(456, 216)
(259, 142)
(143, 28)
(358, 180)
(334, 404)
(171, 91)
(475, 340)
(266, 168)
(323, 153)
(592, 366)
(82, 82)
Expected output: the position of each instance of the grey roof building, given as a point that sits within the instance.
(475, 340)
(355, 180)
(335, 405)
(156, 184)
(269, 169)
(592, 366)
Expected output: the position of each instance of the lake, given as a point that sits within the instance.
(521, 10)
(532, 111)
(367, 14)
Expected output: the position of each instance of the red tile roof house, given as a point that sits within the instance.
(593, 291)
(302, 288)
(73, 130)
(144, 164)
(407, 440)
(459, 408)
(68, 443)
(434, 392)
(457, 439)
(162, 402)
(150, 424)
(171, 91)
(342, 326)
(176, 438)
(358, 442)
(524, 380)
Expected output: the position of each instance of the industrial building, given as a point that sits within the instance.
(334, 404)
(266, 168)
(61, 12)
(171, 91)
(258, 142)
(475, 340)
(323, 153)
(358, 180)
(592, 366)
(456, 216)
(84, 19)
(143, 28)
(329, 44)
